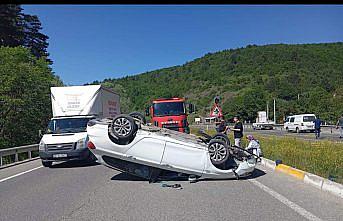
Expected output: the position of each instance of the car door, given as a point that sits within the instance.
(286, 123)
(149, 151)
(184, 157)
(291, 124)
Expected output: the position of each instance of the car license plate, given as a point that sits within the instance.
(59, 155)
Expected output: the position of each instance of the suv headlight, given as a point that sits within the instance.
(42, 146)
(81, 143)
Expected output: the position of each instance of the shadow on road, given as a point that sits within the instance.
(173, 176)
(127, 177)
(255, 174)
(73, 164)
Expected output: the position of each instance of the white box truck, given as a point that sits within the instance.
(262, 121)
(72, 107)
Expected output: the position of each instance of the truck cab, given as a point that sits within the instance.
(65, 139)
(170, 113)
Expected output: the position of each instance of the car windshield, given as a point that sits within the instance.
(67, 125)
(169, 109)
(309, 118)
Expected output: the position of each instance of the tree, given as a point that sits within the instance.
(25, 104)
(19, 29)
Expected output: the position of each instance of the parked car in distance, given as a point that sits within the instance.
(300, 123)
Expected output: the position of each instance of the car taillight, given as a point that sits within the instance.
(90, 145)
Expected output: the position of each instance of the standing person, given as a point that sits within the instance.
(340, 125)
(222, 127)
(317, 123)
(237, 131)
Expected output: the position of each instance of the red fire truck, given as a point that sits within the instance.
(170, 113)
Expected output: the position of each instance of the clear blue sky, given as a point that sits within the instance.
(93, 42)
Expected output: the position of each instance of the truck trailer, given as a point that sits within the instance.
(72, 107)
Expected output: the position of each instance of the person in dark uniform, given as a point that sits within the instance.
(222, 127)
(237, 131)
(317, 122)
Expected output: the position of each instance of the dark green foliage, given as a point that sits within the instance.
(19, 29)
(25, 104)
(248, 78)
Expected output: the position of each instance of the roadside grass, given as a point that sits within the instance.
(323, 158)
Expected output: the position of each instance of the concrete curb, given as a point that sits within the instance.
(308, 178)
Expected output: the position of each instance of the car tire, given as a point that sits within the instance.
(218, 151)
(223, 137)
(123, 129)
(47, 163)
(297, 130)
(139, 116)
(287, 129)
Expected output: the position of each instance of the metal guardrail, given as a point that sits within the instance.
(249, 125)
(16, 151)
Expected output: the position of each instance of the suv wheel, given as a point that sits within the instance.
(123, 129)
(218, 152)
(47, 163)
(222, 137)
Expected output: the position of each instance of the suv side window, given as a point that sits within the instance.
(292, 120)
(287, 120)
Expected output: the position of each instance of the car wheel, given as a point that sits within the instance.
(46, 163)
(123, 129)
(218, 152)
(222, 137)
(138, 116)
(287, 129)
(297, 130)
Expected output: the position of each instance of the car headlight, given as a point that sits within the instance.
(42, 146)
(81, 143)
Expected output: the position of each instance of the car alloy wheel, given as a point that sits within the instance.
(122, 126)
(218, 151)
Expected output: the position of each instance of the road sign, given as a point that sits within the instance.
(216, 111)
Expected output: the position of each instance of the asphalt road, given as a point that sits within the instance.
(326, 133)
(75, 191)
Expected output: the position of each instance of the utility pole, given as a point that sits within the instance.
(267, 111)
(274, 113)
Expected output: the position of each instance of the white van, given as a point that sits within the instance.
(72, 108)
(300, 123)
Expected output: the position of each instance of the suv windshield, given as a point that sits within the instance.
(67, 125)
(169, 108)
(309, 118)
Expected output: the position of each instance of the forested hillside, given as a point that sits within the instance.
(302, 78)
(25, 77)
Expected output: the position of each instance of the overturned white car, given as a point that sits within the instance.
(127, 144)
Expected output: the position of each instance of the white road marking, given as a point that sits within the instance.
(18, 174)
(287, 202)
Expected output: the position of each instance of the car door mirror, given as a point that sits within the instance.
(40, 134)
